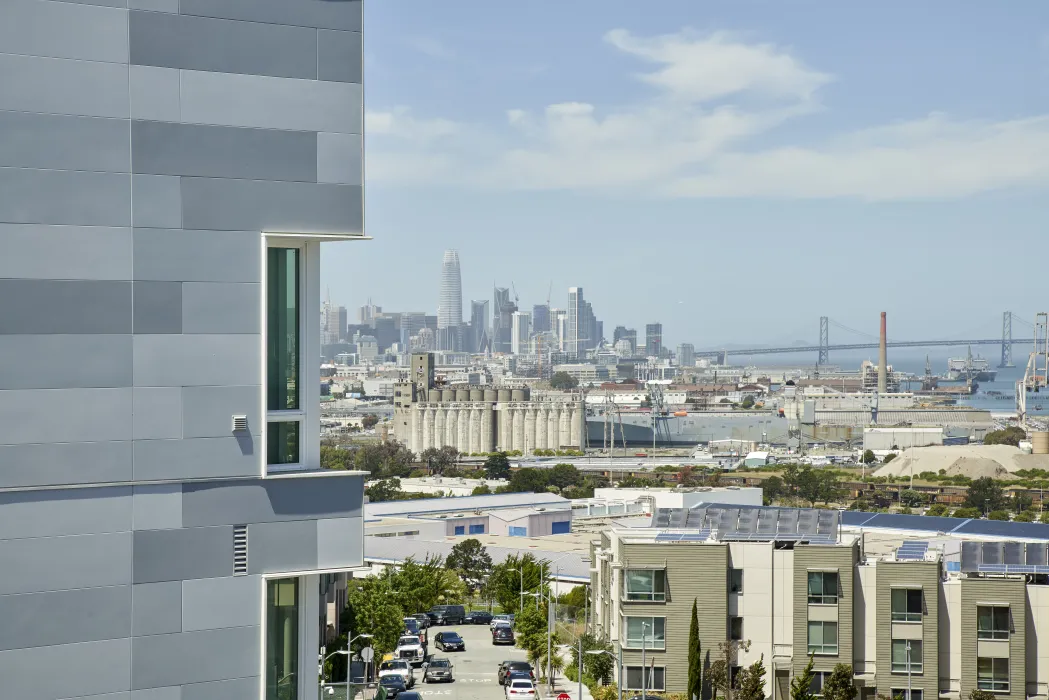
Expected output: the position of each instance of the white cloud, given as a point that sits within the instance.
(693, 136)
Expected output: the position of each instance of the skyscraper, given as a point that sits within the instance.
(541, 318)
(501, 316)
(479, 324)
(520, 332)
(450, 297)
(575, 327)
(686, 355)
(654, 339)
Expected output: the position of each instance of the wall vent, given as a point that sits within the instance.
(240, 550)
(240, 423)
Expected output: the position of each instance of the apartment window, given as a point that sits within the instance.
(650, 630)
(823, 587)
(735, 628)
(646, 585)
(823, 638)
(735, 580)
(992, 674)
(906, 605)
(283, 356)
(477, 529)
(654, 678)
(992, 622)
(904, 694)
(902, 662)
(282, 639)
(818, 679)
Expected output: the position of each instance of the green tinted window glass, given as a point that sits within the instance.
(282, 639)
(282, 442)
(282, 329)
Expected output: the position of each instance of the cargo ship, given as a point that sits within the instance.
(960, 369)
(686, 427)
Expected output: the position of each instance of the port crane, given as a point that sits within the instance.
(1037, 361)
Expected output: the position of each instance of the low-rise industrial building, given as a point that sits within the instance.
(920, 607)
(683, 497)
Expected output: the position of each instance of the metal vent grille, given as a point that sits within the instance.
(240, 423)
(240, 550)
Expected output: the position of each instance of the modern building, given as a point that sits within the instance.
(520, 333)
(654, 339)
(450, 297)
(575, 327)
(165, 528)
(541, 318)
(502, 312)
(479, 325)
(919, 607)
(686, 355)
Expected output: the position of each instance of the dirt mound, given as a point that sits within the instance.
(973, 461)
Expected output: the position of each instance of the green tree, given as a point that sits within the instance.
(1009, 436)
(985, 494)
(420, 585)
(372, 607)
(868, 457)
(801, 685)
(333, 457)
(563, 381)
(977, 694)
(471, 560)
(967, 513)
(818, 485)
(747, 402)
(385, 490)
(1025, 517)
(384, 459)
(529, 479)
(720, 671)
(694, 686)
(575, 598)
(482, 490)
(497, 466)
(505, 583)
(439, 459)
(889, 457)
(772, 488)
(937, 509)
(751, 682)
(1021, 502)
(998, 515)
(596, 667)
(370, 421)
(564, 475)
(912, 498)
(839, 685)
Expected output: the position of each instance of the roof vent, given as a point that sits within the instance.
(240, 423)
(240, 550)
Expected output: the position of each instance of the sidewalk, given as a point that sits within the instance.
(563, 685)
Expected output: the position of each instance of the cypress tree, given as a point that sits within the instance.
(695, 658)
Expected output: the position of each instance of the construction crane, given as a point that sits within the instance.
(1037, 361)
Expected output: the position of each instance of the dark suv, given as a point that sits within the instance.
(502, 635)
(511, 667)
(447, 614)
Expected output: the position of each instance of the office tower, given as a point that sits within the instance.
(686, 355)
(540, 318)
(333, 326)
(450, 297)
(385, 330)
(503, 311)
(411, 323)
(520, 332)
(575, 327)
(654, 339)
(163, 220)
(368, 312)
(559, 324)
(479, 324)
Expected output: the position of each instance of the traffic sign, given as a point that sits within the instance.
(564, 696)
(367, 654)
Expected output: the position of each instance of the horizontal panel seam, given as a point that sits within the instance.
(96, 61)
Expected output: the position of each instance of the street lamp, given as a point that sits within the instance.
(520, 596)
(644, 626)
(619, 666)
(908, 647)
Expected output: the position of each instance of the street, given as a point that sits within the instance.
(475, 668)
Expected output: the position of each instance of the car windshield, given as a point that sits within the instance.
(396, 665)
(408, 641)
(391, 680)
(521, 684)
(439, 663)
(451, 637)
(411, 624)
(520, 666)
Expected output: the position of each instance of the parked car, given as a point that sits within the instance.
(449, 641)
(447, 614)
(410, 649)
(503, 635)
(423, 618)
(394, 685)
(438, 670)
(410, 695)
(397, 667)
(496, 619)
(478, 617)
(412, 626)
(520, 689)
(509, 667)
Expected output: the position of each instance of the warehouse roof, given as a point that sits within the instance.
(427, 506)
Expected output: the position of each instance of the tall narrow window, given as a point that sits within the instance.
(282, 639)
(283, 355)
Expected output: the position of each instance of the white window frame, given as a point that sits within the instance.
(994, 633)
(823, 645)
(308, 413)
(917, 665)
(651, 672)
(650, 635)
(994, 686)
(906, 616)
(309, 634)
(642, 597)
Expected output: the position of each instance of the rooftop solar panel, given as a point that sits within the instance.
(1001, 528)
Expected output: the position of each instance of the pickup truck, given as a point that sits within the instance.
(410, 649)
(397, 667)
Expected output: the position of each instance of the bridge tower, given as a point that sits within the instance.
(1007, 339)
(824, 357)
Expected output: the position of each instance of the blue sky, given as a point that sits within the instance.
(731, 169)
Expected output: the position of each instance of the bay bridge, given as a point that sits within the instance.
(824, 348)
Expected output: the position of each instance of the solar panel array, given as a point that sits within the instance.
(747, 523)
(1005, 557)
(912, 550)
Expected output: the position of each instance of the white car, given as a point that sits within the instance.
(397, 667)
(410, 649)
(500, 619)
(519, 689)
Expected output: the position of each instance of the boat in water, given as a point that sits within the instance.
(978, 369)
(684, 427)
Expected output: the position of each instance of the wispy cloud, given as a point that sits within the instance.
(693, 136)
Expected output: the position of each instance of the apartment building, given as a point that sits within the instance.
(919, 607)
(168, 176)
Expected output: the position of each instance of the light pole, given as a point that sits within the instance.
(348, 653)
(619, 666)
(908, 647)
(644, 626)
(520, 596)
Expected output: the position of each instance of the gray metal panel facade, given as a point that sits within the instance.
(145, 147)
